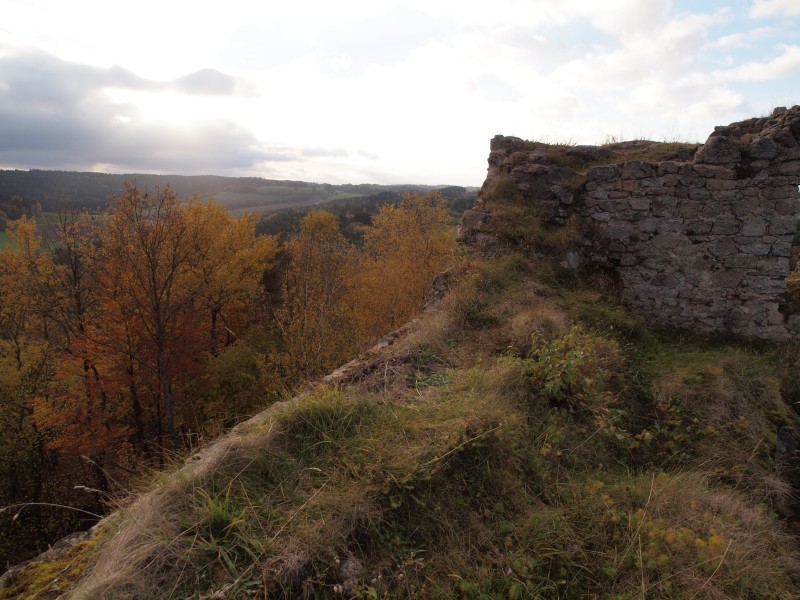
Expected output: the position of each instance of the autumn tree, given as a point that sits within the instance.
(146, 246)
(313, 317)
(25, 369)
(406, 246)
(227, 261)
(70, 283)
(103, 328)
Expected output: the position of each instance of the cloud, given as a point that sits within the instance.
(785, 65)
(325, 152)
(346, 48)
(210, 82)
(764, 9)
(740, 39)
(57, 113)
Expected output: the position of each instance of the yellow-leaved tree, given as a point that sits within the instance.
(406, 246)
(228, 262)
(313, 316)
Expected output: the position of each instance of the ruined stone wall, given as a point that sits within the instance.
(700, 237)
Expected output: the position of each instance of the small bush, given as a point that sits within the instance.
(573, 370)
(471, 312)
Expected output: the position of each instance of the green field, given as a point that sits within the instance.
(46, 222)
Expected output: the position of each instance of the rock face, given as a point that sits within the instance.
(699, 239)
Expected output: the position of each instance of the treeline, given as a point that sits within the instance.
(355, 213)
(15, 207)
(56, 189)
(135, 335)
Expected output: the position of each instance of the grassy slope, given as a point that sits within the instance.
(529, 440)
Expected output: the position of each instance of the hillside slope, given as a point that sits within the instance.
(528, 439)
(57, 189)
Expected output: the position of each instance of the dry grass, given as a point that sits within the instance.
(495, 451)
(144, 533)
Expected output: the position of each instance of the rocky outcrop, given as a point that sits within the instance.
(700, 237)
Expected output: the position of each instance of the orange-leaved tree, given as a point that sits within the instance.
(406, 246)
(147, 244)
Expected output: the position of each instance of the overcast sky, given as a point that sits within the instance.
(376, 91)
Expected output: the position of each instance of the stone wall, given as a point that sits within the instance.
(700, 237)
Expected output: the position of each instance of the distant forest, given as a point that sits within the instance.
(14, 207)
(52, 190)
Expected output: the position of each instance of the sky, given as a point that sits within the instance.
(375, 91)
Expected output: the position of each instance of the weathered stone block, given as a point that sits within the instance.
(790, 168)
(743, 261)
(713, 171)
(531, 169)
(664, 280)
(777, 193)
(719, 150)
(698, 227)
(616, 230)
(699, 194)
(787, 206)
(688, 210)
(598, 194)
(726, 226)
(726, 196)
(722, 247)
(670, 226)
(768, 286)
(764, 148)
(668, 241)
(720, 184)
(753, 227)
(628, 185)
(652, 182)
(589, 153)
(637, 169)
(602, 173)
(667, 167)
(648, 225)
(775, 266)
(664, 206)
(783, 225)
(639, 203)
(781, 248)
(744, 207)
(727, 278)
(693, 181)
(755, 248)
